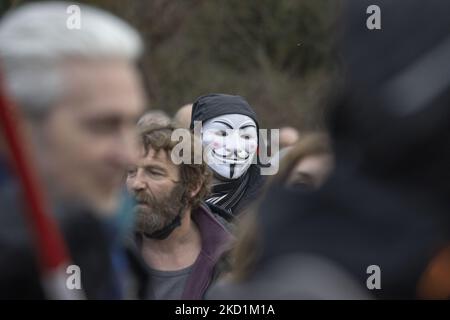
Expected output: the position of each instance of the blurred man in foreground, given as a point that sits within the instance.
(79, 95)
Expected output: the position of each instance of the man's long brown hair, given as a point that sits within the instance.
(192, 176)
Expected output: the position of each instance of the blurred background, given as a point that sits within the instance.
(277, 54)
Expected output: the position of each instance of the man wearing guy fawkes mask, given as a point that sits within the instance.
(230, 144)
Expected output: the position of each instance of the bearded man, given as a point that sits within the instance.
(178, 236)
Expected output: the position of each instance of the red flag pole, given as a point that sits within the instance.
(51, 250)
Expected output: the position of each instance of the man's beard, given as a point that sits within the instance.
(158, 213)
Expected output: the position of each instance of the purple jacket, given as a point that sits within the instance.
(216, 239)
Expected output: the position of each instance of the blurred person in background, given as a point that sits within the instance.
(179, 238)
(182, 117)
(380, 223)
(79, 95)
(288, 136)
(153, 119)
(307, 165)
(230, 141)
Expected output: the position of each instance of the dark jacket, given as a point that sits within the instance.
(216, 240)
(357, 221)
(3, 171)
(90, 247)
(255, 187)
(292, 277)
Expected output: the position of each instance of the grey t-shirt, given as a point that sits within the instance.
(168, 285)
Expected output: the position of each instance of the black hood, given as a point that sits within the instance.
(217, 104)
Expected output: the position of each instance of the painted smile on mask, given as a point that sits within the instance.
(231, 142)
(227, 159)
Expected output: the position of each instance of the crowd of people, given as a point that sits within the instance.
(91, 176)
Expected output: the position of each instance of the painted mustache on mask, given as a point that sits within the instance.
(235, 155)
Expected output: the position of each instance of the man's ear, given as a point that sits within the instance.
(195, 189)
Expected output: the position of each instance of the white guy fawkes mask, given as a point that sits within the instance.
(229, 144)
